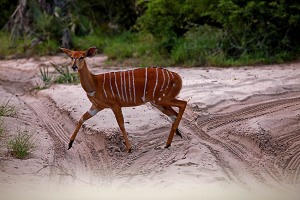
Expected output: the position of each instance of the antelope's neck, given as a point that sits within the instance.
(86, 80)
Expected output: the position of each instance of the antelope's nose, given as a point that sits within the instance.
(75, 68)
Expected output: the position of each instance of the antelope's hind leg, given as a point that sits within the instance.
(93, 111)
(181, 105)
(170, 112)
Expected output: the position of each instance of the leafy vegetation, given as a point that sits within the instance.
(159, 32)
(65, 76)
(22, 144)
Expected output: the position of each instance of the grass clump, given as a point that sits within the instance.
(44, 75)
(1, 128)
(65, 76)
(22, 144)
(8, 110)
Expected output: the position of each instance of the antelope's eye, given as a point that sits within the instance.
(80, 58)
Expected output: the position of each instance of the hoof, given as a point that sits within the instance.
(70, 144)
(129, 150)
(178, 133)
(167, 146)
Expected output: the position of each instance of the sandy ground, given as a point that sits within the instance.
(241, 138)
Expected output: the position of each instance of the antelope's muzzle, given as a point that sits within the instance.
(75, 68)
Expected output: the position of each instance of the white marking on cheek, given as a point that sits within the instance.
(93, 112)
(164, 95)
(159, 99)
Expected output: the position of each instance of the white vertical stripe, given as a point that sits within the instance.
(162, 86)
(103, 85)
(129, 86)
(146, 79)
(111, 89)
(122, 91)
(172, 75)
(155, 82)
(117, 85)
(133, 83)
(168, 78)
(125, 87)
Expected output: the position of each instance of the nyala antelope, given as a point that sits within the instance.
(129, 88)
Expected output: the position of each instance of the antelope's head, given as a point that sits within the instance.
(78, 57)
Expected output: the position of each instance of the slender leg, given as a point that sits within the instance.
(169, 111)
(181, 105)
(120, 119)
(93, 111)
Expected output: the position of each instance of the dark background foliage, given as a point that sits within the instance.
(190, 32)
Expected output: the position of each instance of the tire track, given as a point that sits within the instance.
(80, 162)
(249, 112)
(53, 126)
(209, 130)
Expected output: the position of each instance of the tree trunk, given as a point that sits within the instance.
(17, 24)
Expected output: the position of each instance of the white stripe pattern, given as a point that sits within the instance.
(122, 92)
(133, 83)
(155, 82)
(103, 85)
(112, 91)
(129, 86)
(117, 86)
(162, 86)
(168, 79)
(125, 88)
(172, 75)
(146, 79)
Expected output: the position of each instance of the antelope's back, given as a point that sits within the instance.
(138, 86)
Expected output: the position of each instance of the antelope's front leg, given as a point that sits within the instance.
(120, 119)
(93, 111)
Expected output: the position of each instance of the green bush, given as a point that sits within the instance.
(97, 39)
(247, 32)
(197, 45)
(262, 27)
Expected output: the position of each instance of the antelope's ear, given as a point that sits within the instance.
(66, 51)
(91, 52)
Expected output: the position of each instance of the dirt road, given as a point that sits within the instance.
(240, 130)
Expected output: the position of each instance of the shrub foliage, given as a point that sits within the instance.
(193, 32)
